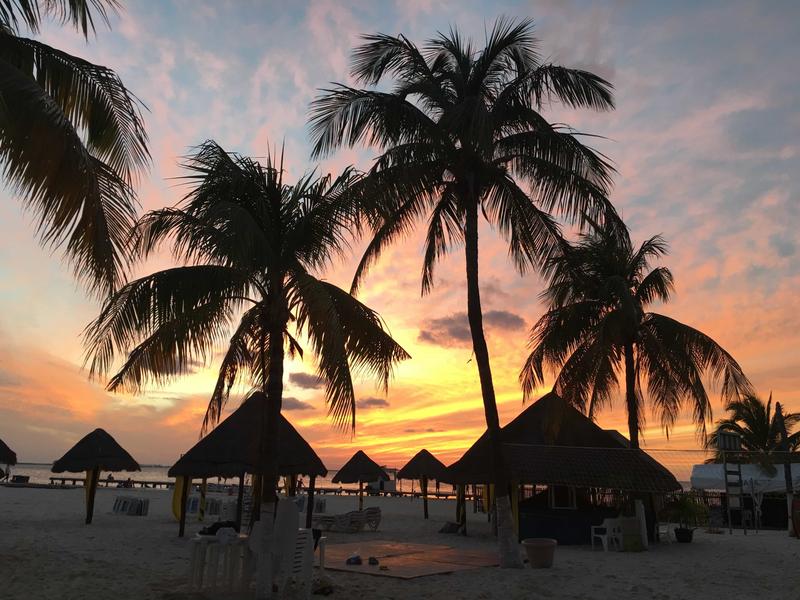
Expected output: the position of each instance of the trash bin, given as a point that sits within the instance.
(540, 552)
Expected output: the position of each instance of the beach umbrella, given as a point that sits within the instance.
(96, 452)
(7, 455)
(358, 469)
(423, 466)
(233, 448)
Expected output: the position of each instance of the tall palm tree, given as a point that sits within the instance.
(597, 328)
(461, 134)
(72, 139)
(251, 248)
(757, 425)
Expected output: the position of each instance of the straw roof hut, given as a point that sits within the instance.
(7, 455)
(358, 469)
(552, 443)
(423, 466)
(96, 452)
(233, 447)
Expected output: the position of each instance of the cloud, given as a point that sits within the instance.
(291, 403)
(421, 430)
(306, 381)
(454, 329)
(367, 403)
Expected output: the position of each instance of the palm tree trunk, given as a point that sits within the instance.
(507, 545)
(630, 396)
(272, 385)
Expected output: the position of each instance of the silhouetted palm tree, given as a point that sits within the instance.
(758, 427)
(462, 135)
(72, 140)
(251, 247)
(597, 328)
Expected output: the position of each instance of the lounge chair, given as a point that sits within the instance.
(373, 517)
(350, 522)
(609, 533)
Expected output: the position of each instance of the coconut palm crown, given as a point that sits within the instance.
(251, 248)
(461, 134)
(598, 329)
(72, 139)
(757, 425)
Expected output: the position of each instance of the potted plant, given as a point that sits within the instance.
(688, 511)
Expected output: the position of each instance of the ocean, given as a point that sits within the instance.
(41, 473)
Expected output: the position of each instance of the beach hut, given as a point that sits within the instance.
(424, 466)
(96, 452)
(575, 464)
(7, 455)
(359, 469)
(233, 449)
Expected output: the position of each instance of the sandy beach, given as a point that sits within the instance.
(46, 552)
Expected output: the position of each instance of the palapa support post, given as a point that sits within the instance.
(91, 481)
(360, 495)
(184, 498)
(310, 508)
(201, 509)
(423, 483)
(240, 503)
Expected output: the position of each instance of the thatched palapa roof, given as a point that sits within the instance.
(97, 450)
(360, 468)
(233, 447)
(551, 442)
(7, 455)
(424, 464)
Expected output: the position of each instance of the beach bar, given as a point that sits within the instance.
(232, 449)
(567, 473)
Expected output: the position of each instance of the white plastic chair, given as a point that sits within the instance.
(663, 532)
(609, 534)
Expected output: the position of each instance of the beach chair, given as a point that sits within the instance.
(609, 533)
(323, 522)
(373, 517)
(319, 505)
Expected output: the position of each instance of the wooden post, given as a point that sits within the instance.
(240, 504)
(423, 482)
(201, 509)
(184, 498)
(310, 508)
(360, 495)
(94, 475)
(255, 513)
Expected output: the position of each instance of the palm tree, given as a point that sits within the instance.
(757, 426)
(72, 139)
(597, 328)
(461, 134)
(251, 246)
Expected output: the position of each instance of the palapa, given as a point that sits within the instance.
(358, 469)
(7, 455)
(553, 443)
(95, 452)
(423, 466)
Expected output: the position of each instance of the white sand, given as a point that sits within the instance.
(47, 552)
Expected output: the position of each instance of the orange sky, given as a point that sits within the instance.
(700, 160)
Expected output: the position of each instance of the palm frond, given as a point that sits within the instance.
(347, 337)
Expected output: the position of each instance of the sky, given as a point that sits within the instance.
(705, 139)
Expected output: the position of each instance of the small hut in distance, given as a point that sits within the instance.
(424, 466)
(7, 455)
(359, 469)
(95, 452)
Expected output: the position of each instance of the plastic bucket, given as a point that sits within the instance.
(540, 552)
